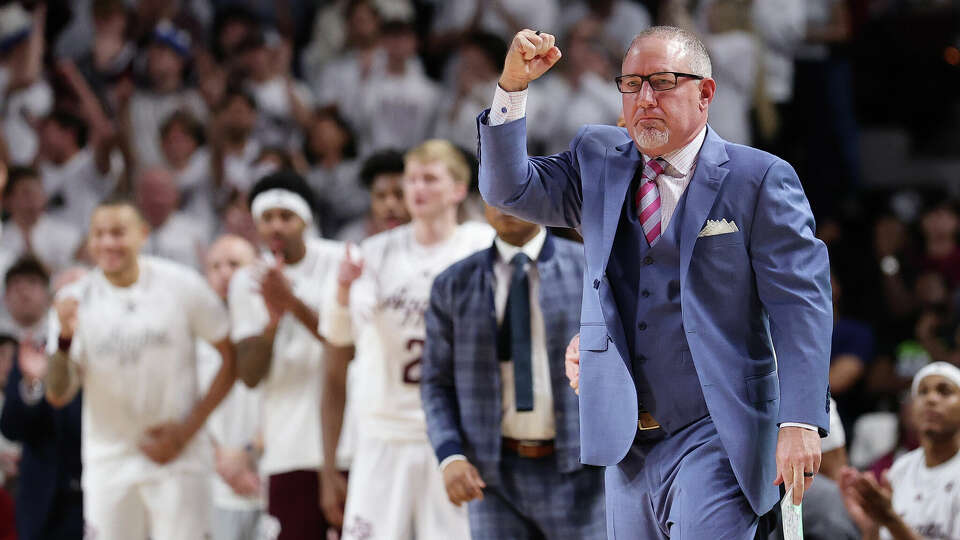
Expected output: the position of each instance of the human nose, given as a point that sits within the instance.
(646, 97)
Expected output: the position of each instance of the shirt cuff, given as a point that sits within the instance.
(507, 106)
(450, 459)
(800, 425)
(336, 325)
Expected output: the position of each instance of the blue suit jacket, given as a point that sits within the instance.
(744, 295)
(51, 455)
(461, 371)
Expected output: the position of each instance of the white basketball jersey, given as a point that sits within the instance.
(392, 296)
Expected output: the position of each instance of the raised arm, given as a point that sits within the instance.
(63, 376)
(541, 189)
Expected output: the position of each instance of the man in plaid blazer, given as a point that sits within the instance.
(500, 416)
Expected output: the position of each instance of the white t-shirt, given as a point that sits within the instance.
(75, 188)
(137, 349)
(181, 238)
(54, 242)
(928, 499)
(234, 424)
(291, 392)
(275, 122)
(391, 296)
(148, 112)
(397, 110)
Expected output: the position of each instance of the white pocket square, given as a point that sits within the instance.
(715, 227)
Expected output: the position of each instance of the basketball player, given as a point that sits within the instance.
(395, 488)
(128, 333)
(274, 308)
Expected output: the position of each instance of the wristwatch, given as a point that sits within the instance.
(889, 265)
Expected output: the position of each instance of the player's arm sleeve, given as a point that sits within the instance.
(792, 271)
(248, 313)
(545, 190)
(437, 389)
(208, 316)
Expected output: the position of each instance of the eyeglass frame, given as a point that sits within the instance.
(646, 79)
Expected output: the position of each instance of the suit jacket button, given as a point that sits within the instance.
(645, 293)
(596, 284)
(641, 358)
(648, 260)
(642, 326)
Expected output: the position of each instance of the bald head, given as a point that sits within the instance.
(157, 195)
(224, 257)
(687, 45)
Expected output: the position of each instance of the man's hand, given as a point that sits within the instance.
(333, 495)
(162, 443)
(235, 468)
(798, 451)
(855, 504)
(276, 290)
(463, 482)
(573, 363)
(530, 56)
(67, 314)
(350, 269)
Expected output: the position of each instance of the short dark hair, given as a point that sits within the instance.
(331, 112)
(396, 27)
(116, 200)
(188, 121)
(382, 162)
(17, 174)
(27, 265)
(286, 162)
(70, 122)
(233, 93)
(284, 179)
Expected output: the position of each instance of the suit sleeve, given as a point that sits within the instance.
(437, 388)
(793, 280)
(21, 422)
(543, 190)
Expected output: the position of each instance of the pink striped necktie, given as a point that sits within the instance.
(648, 199)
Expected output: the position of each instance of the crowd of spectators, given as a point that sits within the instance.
(182, 105)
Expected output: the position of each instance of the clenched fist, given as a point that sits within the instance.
(529, 57)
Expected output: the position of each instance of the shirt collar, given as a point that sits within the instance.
(532, 248)
(682, 159)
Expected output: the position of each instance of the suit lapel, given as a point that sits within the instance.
(619, 166)
(701, 196)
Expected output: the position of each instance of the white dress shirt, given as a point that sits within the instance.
(538, 424)
(510, 106)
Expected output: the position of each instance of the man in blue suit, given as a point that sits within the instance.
(706, 318)
(505, 428)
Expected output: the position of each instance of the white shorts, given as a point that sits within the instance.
(396, 491)
(175, 507)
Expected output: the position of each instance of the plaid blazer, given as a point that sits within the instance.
(461, 372)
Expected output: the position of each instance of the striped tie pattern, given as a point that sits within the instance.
(648, 199)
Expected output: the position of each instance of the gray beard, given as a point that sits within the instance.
(651, 138)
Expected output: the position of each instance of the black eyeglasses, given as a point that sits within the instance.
(660, 81)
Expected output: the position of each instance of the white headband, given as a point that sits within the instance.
(281, 198)
(945, 370)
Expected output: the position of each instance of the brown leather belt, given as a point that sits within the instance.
(647, 421)
(529, 449)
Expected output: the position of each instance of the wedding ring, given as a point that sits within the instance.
(808, 474)
(537, 32)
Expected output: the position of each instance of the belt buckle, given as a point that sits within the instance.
(646, 422)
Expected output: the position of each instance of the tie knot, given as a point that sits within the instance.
(519, 260)
(654, 168)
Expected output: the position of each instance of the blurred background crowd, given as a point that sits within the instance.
(183, 104)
